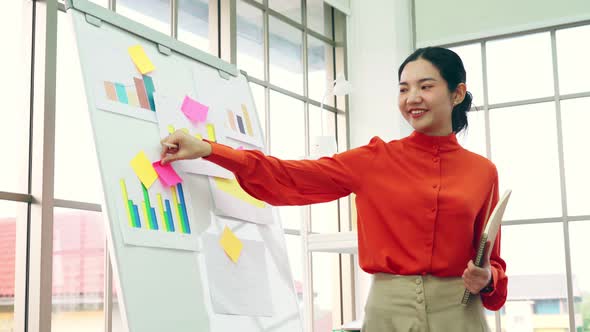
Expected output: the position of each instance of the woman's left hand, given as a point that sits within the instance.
(476, 278)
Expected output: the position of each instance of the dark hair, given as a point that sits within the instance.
(451, 69)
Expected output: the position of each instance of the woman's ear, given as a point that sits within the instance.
(459, 94)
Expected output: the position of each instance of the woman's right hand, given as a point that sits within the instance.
(181, 145)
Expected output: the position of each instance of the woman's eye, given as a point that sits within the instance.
(402, 90)
(426, 86)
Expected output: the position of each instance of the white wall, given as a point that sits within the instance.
(460, 20)
(380, 38)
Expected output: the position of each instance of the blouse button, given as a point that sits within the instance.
(435, 159)
(434, 186)
(433, 210)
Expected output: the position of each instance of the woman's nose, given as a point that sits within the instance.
(414, 97)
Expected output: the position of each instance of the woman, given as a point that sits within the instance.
(421, 202)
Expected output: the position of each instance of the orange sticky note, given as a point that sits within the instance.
(143, 169)
(231, 244)
(141, 60)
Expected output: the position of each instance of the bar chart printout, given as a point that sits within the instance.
(155, 217)
(240, 126)
(134, 98)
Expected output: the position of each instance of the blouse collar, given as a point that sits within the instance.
(433, 143)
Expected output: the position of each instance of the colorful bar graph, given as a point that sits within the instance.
(128, 205)
(163, 216)
(247, 119)
(121, 93)
(140, 94)
(149, 90)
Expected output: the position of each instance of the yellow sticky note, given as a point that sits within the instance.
(143, 169)
(211, 132)
(141, 60)
(171, 129)
(231, 244)
(198, 136)
(232, 187)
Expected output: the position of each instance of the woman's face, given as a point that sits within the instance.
(424, 98)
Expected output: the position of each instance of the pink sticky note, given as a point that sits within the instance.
(167, 174)
(194, 110)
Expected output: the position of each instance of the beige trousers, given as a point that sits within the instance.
(421, 304)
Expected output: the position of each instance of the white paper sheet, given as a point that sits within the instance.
(240, 288)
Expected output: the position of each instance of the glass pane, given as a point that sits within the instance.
(321, 122)
(193, 23)
(535, 258)
(319, 17)
(520, 68)
(471, 57)
(293, 243)
(526, 157)
(286, 59)
(250, 41)
(342, 132)
(104, 3)
(14, 126)
(289, 8)
(78, 271)
(572, 75)
(152, 13)
(324, 216)
(474, 137)
(575, 116)
(287, 127)
(326, 291)
(258, 95)
(8, 220)
(580, 247)
(287, 141)
(320, 69)
(76, 166)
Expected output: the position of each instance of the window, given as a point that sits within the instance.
(290, 53)
(77, 175)
(546, 307)
(534, 127)
(9, 217)
(516, 75)
(193, 23)
(14, 127)
(78, 271)
(509, 140)
(153, 13)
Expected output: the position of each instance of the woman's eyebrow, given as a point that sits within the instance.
(422, 80)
